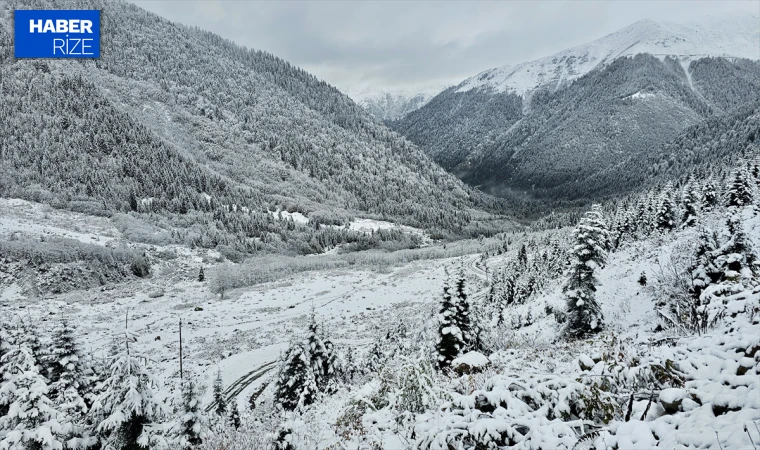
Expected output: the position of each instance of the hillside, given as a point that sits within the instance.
(586, 136)
(158, 127)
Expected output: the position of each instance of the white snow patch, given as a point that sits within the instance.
(472, 359)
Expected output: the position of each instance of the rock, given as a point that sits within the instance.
(198, 308)
(585, 362)
(156, 294)
(158, 338)
(469, 363)
(745, 365)
(723, 403)
(671, 399)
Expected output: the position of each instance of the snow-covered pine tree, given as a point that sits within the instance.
(665, 218)
(584, 315)
(450, 338)
(316, 351)
(31, 420)
(622, 227)
(30, 336)
(233, 418)
(295, 387)
(220, 402)
(349, 367)
(704, 272)
(71, 377)
(465, 317)
(128, 410)
(709, 198)
(522, 256)
(689, 205)
(736, 256)
(739, 191)
(375, 358)
(331, 368)
(191, 427)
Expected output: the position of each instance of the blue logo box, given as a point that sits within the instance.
(46, 33)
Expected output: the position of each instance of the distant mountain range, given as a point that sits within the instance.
(577, 125)
(392, 104)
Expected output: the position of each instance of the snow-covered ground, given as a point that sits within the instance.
(240, 334)
(244, 334)
(20, 217)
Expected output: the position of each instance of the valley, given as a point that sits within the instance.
(205, 246)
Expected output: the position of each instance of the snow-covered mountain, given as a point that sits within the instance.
(577, 125)
(392, 104)
(732, 35)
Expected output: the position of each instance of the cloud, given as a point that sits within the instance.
(390, 44)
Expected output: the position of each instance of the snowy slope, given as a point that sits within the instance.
(731, 35)
(391, 104)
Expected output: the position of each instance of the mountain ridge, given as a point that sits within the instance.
(732, 35)
(582, 137)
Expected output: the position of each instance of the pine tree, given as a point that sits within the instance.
(464, 316)
(128, 410)
(31, 415)
(522, 256)
(688, 201)
(220, 402)
(740, 191)
(375, 358)
(584, 314)
(295, 387)
(737, 256)
(71, 377)
(709, 195)
(233, 418)
(330, 368)
(450, 339)
(316, 351)
(191, 427)
(665, 217)
(201, 275)
(704, 272)
(349, 372)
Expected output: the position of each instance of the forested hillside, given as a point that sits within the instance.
(195, 132)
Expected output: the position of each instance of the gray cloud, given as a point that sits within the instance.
(400, 43)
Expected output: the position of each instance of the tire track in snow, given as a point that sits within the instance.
(239, 385)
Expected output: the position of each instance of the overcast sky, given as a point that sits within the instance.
(390, 44)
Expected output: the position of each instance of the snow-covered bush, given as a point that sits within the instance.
(544, 411)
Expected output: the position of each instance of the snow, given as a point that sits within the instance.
(641, 95)
(245, 333)
(370, 225)
(730, 35)
(472, 359)
(20, 217)
(296, 216)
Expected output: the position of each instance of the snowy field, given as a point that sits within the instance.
(245, 333)
(241, 334)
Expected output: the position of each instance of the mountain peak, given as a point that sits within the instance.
(731, 35)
